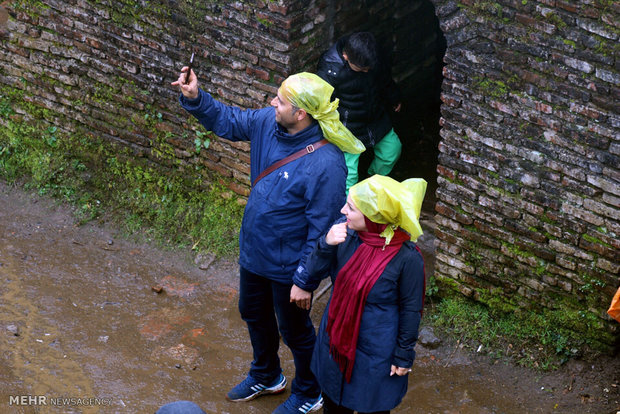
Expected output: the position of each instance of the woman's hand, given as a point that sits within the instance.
(301, 298)
(399, 371)
(337, 234)
(189, 90)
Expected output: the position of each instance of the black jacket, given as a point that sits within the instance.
(364, 96)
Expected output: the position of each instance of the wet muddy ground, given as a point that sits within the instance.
(80, 318)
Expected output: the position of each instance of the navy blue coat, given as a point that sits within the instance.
(388, 329)
(290, 208)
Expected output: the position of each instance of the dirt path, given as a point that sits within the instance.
(79, 319)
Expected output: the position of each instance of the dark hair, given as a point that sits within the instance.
(361, 49)
(294, 109)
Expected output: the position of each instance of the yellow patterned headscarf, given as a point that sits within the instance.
(386, 201)
(312, 94)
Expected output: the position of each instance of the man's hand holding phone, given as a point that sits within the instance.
(188, 82)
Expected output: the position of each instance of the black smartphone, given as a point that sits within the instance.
(189, 69)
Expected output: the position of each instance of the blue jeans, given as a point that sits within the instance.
(261, 300)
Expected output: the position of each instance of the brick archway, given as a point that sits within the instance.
(409, 33)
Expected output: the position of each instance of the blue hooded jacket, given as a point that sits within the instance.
(290, 208)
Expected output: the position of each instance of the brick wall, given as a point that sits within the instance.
(104, 67)
(528, 174)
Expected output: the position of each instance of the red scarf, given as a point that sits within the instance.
(354, 282)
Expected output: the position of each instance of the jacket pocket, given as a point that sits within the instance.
(272, 187)
(290, 250)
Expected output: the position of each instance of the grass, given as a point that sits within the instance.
(527, 338)
(182, 206)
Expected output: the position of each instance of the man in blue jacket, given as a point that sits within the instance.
(287, 210)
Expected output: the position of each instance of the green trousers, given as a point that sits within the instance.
(387, 152)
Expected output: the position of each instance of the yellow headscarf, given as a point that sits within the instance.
(312, 94)
(386, 201)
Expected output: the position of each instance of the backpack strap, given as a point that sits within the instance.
(307, 150)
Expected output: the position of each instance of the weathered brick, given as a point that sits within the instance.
(565, 285)
(445, 271)
(566, 262)
(241, 177)
(534, 284)
(222, 170)
(486, 215)
(503, 107)
(604, 184)
(453, 214)
(455, 263)
(519, 228)
(454, 75)
(478, 238)
(236, 165)
(239, 188)
(612, 267)
(456, 21)
(600, 249)
(451, 100)
(602, 209)
(458, 189)
(497, 235)
(596, 28)
(532, 22)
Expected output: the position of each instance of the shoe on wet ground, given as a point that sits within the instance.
(249, 388)
(298, 404)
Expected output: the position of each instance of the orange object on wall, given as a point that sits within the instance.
(614, 309)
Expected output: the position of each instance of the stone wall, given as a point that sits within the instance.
(529, 179)
(104, 68)
(529, 186)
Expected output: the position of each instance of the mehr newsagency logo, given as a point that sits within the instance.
(44, 400)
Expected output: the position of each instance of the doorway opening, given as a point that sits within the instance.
(409, 31)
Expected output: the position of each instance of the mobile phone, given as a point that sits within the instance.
(189, 68)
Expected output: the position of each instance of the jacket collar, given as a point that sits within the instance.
(305, 137)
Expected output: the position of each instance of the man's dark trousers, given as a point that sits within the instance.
(258, 297)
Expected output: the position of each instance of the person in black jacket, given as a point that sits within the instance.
(364, 86)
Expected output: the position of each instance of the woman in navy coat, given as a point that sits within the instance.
(365, 346)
